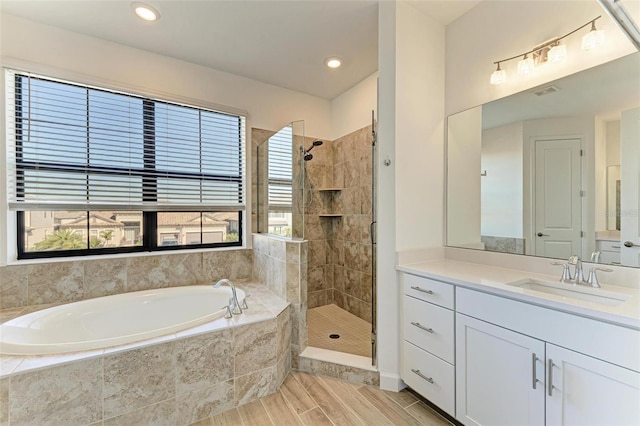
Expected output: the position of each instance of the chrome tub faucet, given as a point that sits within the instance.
(233, 302)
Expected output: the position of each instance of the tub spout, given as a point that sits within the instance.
(235, 305)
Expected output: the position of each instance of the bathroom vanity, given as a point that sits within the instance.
(490, 346)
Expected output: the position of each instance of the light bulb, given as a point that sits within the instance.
(499, 76)
(593, 38)
(525, 66)
(557, 53)
(144, 11)
(333, 62)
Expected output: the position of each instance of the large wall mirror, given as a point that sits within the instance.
(553, 171)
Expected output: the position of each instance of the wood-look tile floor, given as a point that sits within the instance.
(306, 399)
(354, 332)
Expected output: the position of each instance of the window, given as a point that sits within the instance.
(280, 182)
(97, 171)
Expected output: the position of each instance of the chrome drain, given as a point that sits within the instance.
(334, 336)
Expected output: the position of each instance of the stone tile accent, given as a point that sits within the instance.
(161, 414)
(56, 282)
(4, 402)
(204, 361)
(105, 277)
(254, 347)
(70, 281)
(69, 394)
(13, 286)
(137, 378)
(202, 403)
(254, 385)
(344, 372)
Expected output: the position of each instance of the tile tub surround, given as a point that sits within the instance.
(176, 379)
(282, 265)
(73, 280)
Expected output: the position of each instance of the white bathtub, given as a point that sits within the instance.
(113, 320)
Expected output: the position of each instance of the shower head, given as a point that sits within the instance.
(313, 145)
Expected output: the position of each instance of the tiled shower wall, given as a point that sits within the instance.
(70, 281)
(340, 251)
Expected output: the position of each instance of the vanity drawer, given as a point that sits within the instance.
(609, 257)
(605, 245)
(429, 327)
(429, 290)
(430, 376)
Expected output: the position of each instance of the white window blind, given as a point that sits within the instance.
(74, 147)
(280, 170)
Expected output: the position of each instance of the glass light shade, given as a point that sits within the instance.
(498, 77)
(592, 39)
(525, 66)
(557, 53)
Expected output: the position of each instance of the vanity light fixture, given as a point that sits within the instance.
(526, 65)
(557, 53)
(145, 11)
(552, 51)
(593, 38)
(498, 76)
(333, 62)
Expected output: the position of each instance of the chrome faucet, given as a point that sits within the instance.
(578, 276)
(233, 302)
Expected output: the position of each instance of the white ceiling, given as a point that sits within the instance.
(283, 43)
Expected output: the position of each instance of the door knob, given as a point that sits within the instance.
(628, 244)
(540, 234)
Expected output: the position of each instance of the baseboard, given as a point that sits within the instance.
(391, 382)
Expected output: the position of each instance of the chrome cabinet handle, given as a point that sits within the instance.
(422, 327)
(421, 289)
(534, 380)
(419, 374)
(550, 367)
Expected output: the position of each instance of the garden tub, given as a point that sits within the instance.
(113, 320)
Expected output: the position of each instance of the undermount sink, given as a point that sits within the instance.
(573, 291)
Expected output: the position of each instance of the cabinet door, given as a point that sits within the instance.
(498, 374)
(587, 391)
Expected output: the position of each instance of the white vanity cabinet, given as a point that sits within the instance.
(507, 377)
(499, 376)
(490, 359)
(428, 340)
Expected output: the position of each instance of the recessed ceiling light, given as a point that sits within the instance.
(146, 12)
(333, 62)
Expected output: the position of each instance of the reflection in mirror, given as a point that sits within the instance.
(552, 171)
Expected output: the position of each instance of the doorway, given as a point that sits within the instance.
(557, 198)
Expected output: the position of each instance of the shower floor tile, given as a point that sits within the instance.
(354, 332)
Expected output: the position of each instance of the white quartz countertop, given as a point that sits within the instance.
(492, 279)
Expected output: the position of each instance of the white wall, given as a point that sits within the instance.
(70, 55)
(613, 142)
(352, 110)
(501, 188)
(410, 135)
(464, 143)
(495, 30)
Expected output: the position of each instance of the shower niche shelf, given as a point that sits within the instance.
(330, 215)
(329, 189)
